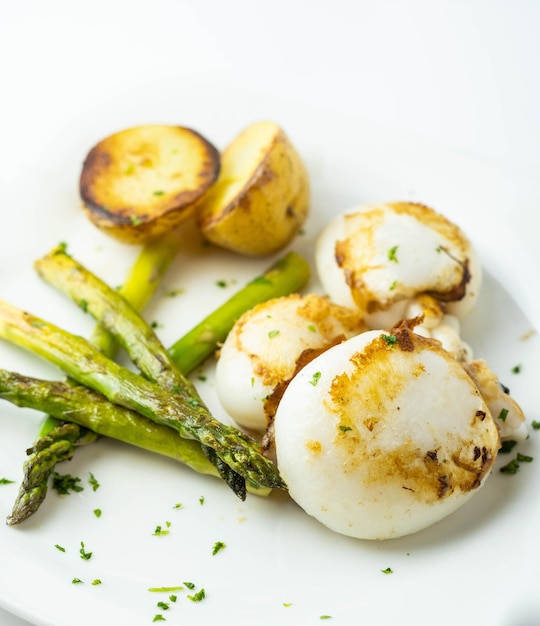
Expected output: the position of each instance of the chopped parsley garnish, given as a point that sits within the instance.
(189, 585)
(315, 378)
(201, 500)
(507, 446)
(172, 597)
(510, 468)
(165, 589)
(159, 192)
(6, 481)
(202, 378)
(172, 293)
(503, 415)
(163, 605)
(58, 547)
(197, 597)
(92, 480)
(388, 570)
(535, 425)
(524, 458)
(219, 545)
(221, 283)
(61, 248)
(344, 428)
(86, 556)
(516, 369)
(287, 604)
(325, 617)
(76, 581)
(312, 328)
(158, 618)
(390, 340)
(84, 305)
(97, 512)
(66, 483)
(96, 581)
(392, 254)
(135, 220)
(273, 333)
(178, 505)
(159, 530)
(393, 285)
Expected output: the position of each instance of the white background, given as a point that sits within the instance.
(462, 74)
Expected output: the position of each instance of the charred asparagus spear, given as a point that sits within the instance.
(186, 413)
(140, 285)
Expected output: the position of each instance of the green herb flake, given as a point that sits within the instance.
(388, 570)
(172, 293)
(393, 285)
(273, 333)
(93, 482)
(6, 481)
(86, 556)
(507, 446)
(524, 458)
(159, 618)
(163, 605)
(189, 585)
(97, 513)
(198, 597)
(84, 305)
(510, 468)
(503, 415)
(165, 589)
(173, 597)
(178, 505)
(76, 581)
(96, 581)
(135, 220)
(221, 283)
(325, 617)
(287, 604)
(218, 546)
(62, 248)
(58, 547)
(129, 169)
(66, 483)
(315, 378)
(390, 340)
(202, 378)
(344, 428)
(158, 531)
(312, 328)
(392, 254)
(516, 369)
(201, 500)
(159, 192)
(535, 425)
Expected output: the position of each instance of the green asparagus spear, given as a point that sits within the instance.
(141, 283)
(87, 408)
(88, 366)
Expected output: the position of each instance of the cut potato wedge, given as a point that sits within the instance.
(261, 198)
(144, 181)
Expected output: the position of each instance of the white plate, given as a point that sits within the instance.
(279, 566)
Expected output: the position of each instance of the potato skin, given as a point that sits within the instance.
(141, 182)
(271, 206)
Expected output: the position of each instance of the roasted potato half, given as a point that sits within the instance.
(261, 198)
(143, 181)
